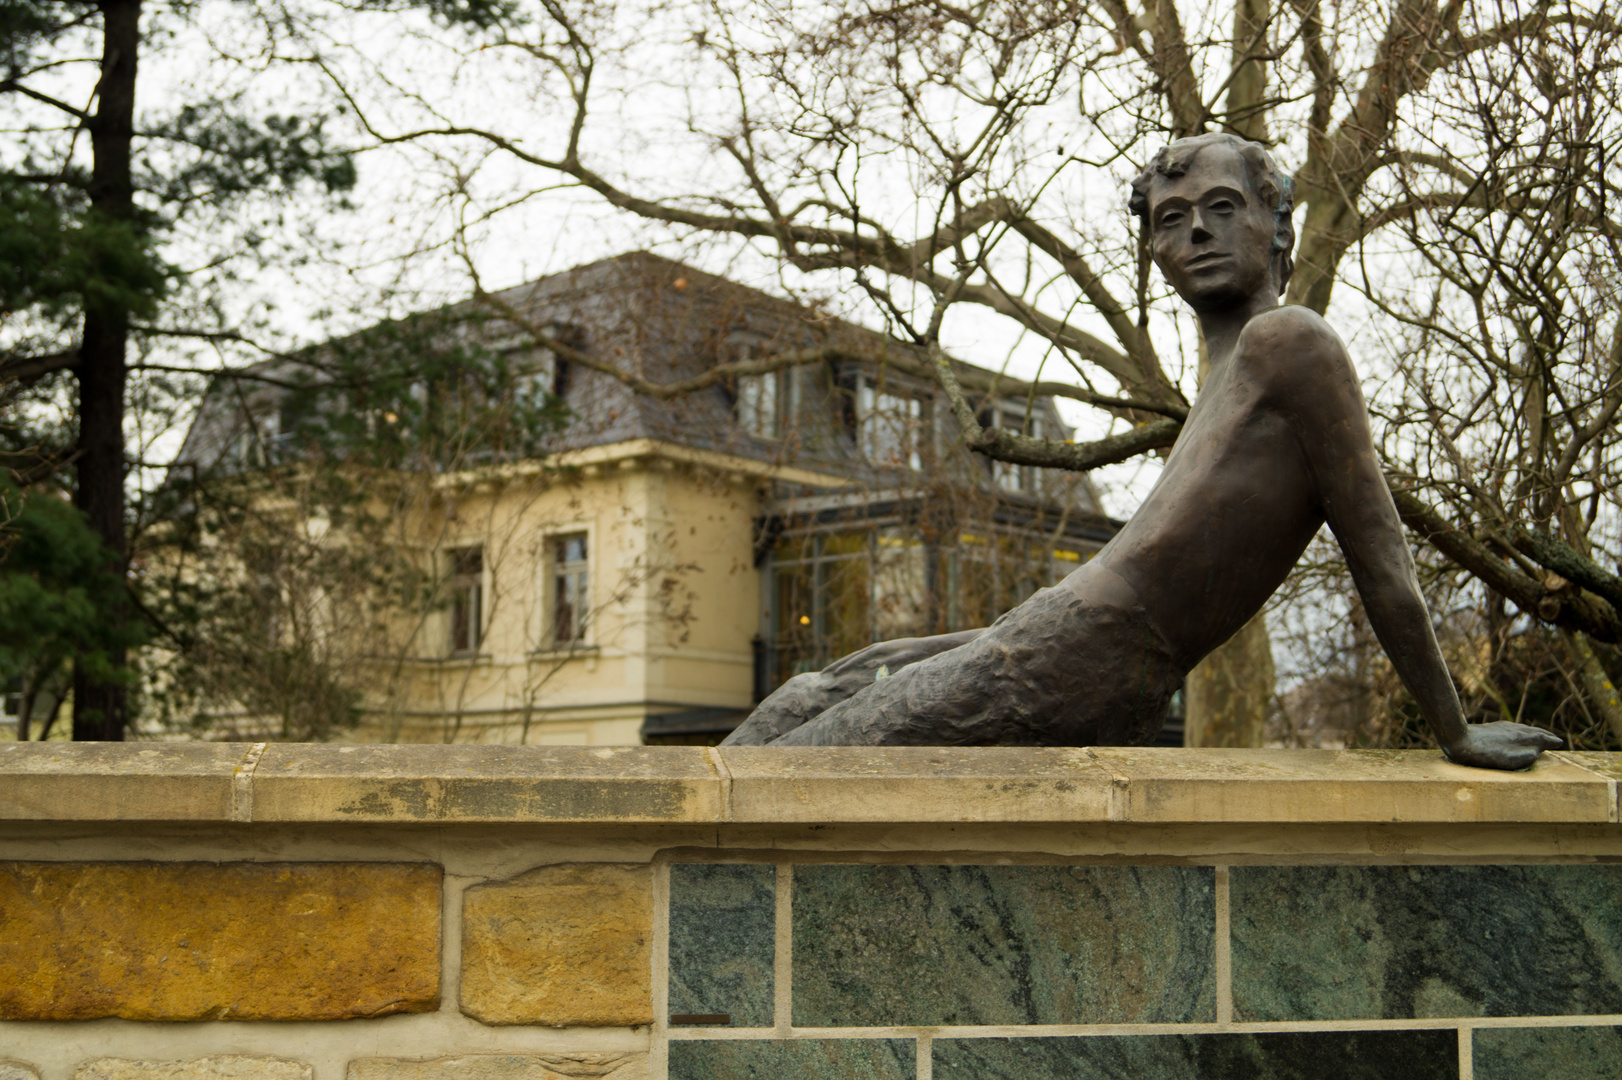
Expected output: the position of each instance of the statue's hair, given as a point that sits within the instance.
(1271, 184)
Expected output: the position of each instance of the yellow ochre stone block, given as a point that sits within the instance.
(237, 941)
(564, 945)
(504, 1067)
(16, 1070)
(218, 1067)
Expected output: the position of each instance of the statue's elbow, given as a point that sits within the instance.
(1395, 594)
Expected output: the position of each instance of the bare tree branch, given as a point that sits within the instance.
(32, 368)
(1588, 614)
(12, 86)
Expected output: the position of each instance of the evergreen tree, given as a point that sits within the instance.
(92, 191)
(59, 599)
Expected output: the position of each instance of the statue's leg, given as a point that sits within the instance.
(1075, 665)
(807, 695)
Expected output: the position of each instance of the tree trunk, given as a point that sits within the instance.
(1597, 685)
(1327, 234)
(1226, 696)
(1247, 93)
(100, 709)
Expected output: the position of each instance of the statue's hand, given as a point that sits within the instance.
(1502, 745)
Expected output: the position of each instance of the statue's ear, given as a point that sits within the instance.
(1284, 233)
(1283, 248)
(1283, 267)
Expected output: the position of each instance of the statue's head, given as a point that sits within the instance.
(1217, 213)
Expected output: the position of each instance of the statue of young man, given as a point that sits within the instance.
(1277, 444)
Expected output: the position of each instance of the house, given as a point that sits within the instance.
(654, 566)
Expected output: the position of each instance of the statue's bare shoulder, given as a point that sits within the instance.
(1291, 344)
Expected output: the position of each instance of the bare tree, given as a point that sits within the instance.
(1497, 295)
(932, 159)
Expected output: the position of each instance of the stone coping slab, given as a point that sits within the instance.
(414, 784)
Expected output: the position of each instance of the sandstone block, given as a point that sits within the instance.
(393, 783)
(238, 941)
(46, 781)
(562, 945)
(504, 1067)
(217, 1067)
(16, 1070)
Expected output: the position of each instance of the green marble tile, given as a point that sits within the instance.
(722, 929)
(877, 945)
(1569, 1053)
(1360, 942)
(793, 1059)
(1316, 1055)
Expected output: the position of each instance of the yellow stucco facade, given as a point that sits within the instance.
(672, 599)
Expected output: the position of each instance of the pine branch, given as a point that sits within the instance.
(30, 369)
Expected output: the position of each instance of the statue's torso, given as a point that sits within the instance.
(1231, 513)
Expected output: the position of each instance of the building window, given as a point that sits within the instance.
(764, 403)
(831, 593)
(759, 404)
(260, 439)
(890, 425)
(535, 380)
(467, 599)
(540, 375)
(1065, 560)
(822, 602)
(1012, 416)
(571, 589)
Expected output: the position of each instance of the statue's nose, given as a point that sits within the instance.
(1200, 232)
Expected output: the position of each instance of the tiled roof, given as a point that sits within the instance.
(664, 320)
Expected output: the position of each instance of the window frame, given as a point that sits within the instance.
(916, 430)
(545, 623)
(779, 390)
(758, 405)
(1021, 418)
(459, 579)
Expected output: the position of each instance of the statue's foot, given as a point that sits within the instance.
(1502, 745)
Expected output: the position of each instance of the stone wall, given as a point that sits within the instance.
(216, 912)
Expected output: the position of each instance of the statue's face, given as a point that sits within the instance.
(1210, 234)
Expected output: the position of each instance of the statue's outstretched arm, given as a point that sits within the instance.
(1330, 417)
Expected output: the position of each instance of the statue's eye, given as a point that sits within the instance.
(1222, 206)
(1170, 217)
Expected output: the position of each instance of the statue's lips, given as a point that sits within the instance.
(1210, 258)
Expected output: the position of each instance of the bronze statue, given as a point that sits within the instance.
(1277, 443)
